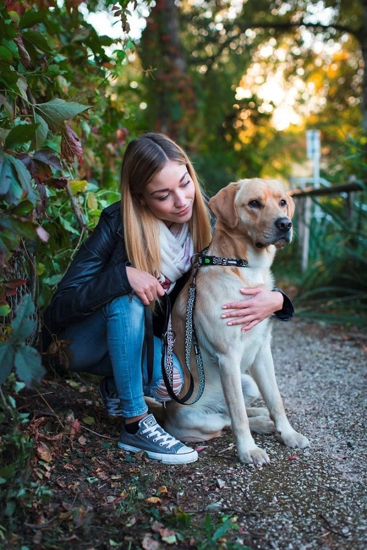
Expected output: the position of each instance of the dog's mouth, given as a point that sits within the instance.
(278, 242)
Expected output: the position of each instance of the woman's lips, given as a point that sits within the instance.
(184, 211)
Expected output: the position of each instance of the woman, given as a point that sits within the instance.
(137, 256)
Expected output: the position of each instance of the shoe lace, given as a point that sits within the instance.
(161, 436)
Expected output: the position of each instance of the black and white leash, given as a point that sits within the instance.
(198, 260)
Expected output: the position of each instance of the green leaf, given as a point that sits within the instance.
(89, 420)
(23, 310)
(22, 209)
(67, 225)
(52, 281)
(221, 531)
(40, 135)
(10, 44)
(38, 40)
(8, 75)
(31, 18)
(5, 174)
(28, 365)
(25, 330)
(19, 135)
(7, 353)
(7, 471)
(4, 310)
(24, 179)
(17, 228)
(56, 111)
(6, 54)
(23, 87)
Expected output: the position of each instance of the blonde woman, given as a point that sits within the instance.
(138, 256)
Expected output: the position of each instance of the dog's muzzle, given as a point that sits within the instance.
(282, 235)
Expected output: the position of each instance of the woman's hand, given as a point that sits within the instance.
(262, 304)
(145, 286)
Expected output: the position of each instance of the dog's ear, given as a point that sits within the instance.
(222, 205)
(290, 207)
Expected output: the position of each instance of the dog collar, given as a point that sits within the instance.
(201, 260)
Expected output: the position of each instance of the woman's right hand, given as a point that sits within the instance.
(145, 286)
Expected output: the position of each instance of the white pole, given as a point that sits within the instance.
(313, 153)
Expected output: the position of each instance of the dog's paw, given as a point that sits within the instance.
(257, 411)
(255, 456)
(294, 439)
(261, 425)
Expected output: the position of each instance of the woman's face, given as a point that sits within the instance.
(170, 194)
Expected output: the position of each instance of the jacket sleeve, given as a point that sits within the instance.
(96, 276)
(287, 311)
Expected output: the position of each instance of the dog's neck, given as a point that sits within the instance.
(233, 244)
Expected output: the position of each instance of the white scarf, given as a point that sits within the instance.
(176, 251)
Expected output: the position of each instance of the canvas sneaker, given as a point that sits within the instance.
(157, 443)
(110, 400)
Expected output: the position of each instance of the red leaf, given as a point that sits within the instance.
(70, 144)
(58, 183)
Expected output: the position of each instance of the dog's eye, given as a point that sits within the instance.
(283, 202)
(254, 204)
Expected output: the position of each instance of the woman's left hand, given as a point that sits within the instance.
(262, 304)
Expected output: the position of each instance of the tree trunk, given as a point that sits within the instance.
(170, 94)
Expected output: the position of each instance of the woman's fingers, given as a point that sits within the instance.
(260, 304)
(145, 286)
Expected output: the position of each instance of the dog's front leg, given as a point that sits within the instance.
(230, 374)
(264, 375)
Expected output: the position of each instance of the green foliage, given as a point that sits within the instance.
(15, 354)
(334, 286)
(53, 71)
(15, 454)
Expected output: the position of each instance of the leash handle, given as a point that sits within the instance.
(168, 341)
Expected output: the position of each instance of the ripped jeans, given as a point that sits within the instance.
(110, 343)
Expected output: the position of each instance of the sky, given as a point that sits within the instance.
(105, 23)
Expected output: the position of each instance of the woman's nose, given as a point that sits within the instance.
(180, 199)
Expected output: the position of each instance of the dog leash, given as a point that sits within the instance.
(198, 260)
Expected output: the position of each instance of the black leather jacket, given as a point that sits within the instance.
(97, 275)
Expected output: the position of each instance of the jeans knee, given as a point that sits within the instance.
(128, 307)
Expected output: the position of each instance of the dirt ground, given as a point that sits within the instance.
(101, 498)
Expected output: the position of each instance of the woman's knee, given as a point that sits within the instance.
(128, 304)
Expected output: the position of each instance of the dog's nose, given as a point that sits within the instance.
(283, 224)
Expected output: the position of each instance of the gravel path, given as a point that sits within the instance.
(312, 499)
(305, 500)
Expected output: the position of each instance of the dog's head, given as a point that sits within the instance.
(258, 208)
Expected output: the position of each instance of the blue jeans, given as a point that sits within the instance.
(110, 343)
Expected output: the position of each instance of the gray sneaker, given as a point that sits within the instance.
(110, 400)
(158, 444)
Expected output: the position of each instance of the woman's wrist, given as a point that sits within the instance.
(278, 300)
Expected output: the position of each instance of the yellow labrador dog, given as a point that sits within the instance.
(253, 220)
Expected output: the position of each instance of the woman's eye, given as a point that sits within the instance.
(163, 198)
(255, 204)
(186, 183)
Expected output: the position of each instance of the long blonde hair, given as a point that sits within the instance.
(143, 159)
